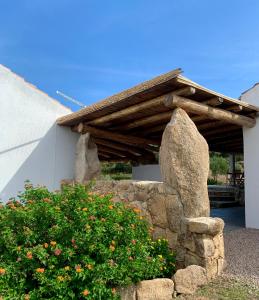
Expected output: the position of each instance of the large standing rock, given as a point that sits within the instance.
(156, 289)
(184, 163)
(87, 164)
(189, 279)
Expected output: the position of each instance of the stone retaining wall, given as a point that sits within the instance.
(197, 241)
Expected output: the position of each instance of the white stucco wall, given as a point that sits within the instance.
(147, 172)
(251, 160)
(32, 146)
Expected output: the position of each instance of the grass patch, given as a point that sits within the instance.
(226, 289)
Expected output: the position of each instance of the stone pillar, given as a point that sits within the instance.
(184, 163)
(87, 164)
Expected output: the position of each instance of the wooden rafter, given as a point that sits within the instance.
(118, 146)
(208, 111)
(143, 106)
(123, 138)
(214, 101)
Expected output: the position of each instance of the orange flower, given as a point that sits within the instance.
(78, 269)
(136, 210)
(110, 206)
(40, 270)
(2, 271)
(57, 252)
(53, 243)
(29, 255)
(133, 242)
(47, 200)
(112, 248)
(85, 209)
(45, 245)
(85, 293)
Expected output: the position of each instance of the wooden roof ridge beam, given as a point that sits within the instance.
(108, 135)
(117, 146)
(209, 111)
(186, 91)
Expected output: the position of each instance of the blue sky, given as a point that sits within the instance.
(93, 49)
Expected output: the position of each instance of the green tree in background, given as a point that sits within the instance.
(218, 165)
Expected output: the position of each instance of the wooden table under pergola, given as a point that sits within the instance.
(128, 126)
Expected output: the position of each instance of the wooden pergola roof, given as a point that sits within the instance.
(130, 124)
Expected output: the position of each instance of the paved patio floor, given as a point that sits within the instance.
(234, 217)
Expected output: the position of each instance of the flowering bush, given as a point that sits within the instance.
(74, 244)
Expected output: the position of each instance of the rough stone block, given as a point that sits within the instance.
(207, 225)
(189, 279)
(157, 210)
(205, 247)
(184, 163)
(174, 211)
(128, 293)
(156, 289)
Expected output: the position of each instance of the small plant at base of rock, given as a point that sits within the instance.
(74, 244)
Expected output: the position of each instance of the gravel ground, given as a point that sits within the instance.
(242, 254)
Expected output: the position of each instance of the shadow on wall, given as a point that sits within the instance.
(45, 161)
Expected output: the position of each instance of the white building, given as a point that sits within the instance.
(32, 146)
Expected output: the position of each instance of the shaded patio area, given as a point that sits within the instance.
(234, 217)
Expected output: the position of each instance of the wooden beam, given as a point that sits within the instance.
(105, 149)
(161, 127)
(115, 160)
(225, 136)
(143, 106)
(229, 142)
(211, 124)
(157, 118)
(108, 135)
(105, 155)
(211, 112)
(215, 101)
(235, 108)
(117, 146)
(220, 131)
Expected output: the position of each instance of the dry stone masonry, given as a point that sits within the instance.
(197, 241)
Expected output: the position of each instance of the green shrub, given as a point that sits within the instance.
(218, 165)
(212, 181)
(75, 245)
